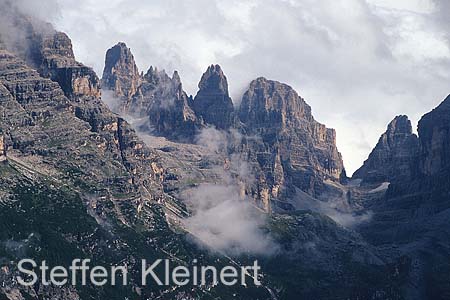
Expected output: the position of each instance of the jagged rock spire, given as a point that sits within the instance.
(394, 156)
(212, 101)
(120, 73)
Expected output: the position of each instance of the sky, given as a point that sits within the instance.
(358, 63)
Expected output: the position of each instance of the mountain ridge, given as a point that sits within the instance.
(78, 179)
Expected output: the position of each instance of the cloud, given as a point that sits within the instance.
(227, 222)
(334, 206)
(15, 34)
(223, 218)
(357, 63)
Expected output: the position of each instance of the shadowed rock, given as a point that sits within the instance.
(395, 155)
(212, 101)
(434, 132)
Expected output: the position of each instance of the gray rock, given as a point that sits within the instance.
(121, 73)
(395, 156)
(293, 150)
(212, 102)
(434, 133)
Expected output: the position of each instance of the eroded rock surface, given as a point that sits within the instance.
(395, 156)
(212, 102)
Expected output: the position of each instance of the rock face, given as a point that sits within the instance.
(155, 96)
(298, 151)
(2, 148)
(395, 156)
(414, 211)
(121, 73)
(434, 133)
(59, 64)
(167, 106)
(212, 102)
(48, 51)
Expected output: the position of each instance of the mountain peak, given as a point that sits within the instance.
(399, 125)
(120, 73)
(212, 101)
(394, 155)
(275, 112)
(272, 103)
(214, 80)
(176, 76)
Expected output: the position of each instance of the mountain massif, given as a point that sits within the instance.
(115, 169)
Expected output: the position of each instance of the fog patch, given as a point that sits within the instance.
(223, 218)
(226, 222)
(20, 21)
(335, 208)
(381, 188)
(111, 101)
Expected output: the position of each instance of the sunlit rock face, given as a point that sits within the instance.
(121, 74)
(296, 150)
(2, 148)
(395, 156)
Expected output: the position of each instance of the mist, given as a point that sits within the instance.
(227, 222)
(16, 32)
(223, 217)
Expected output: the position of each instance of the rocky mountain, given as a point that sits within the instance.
(279, 139)
(212, 102)
(121, 74)
(410, 218)
(155, 96)
(434, 140)
(294, 150)
(395, 156)
(77, 180)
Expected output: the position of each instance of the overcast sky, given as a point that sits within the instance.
(357, 63)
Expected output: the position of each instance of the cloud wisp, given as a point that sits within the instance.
(223, 218)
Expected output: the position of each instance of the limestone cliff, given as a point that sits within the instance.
(212, 102)
(296, 150)
(121, 73)
(395, 156)
(434, 134)
(2, 148)
(154, 96)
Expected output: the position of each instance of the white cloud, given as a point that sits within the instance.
(357, 63)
